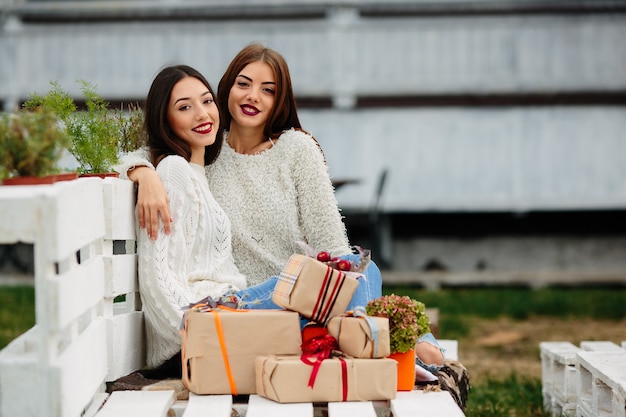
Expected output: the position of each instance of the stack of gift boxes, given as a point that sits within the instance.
(340, 356)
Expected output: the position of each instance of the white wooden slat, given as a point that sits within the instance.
(98, 400)
(138, 404)
(18, 221)
(600, 346)
(451, 347)
(425, 404)
(601, 382)
(20, 377)
(126, 346)
(119, 209)
(351, 409)
(80, 370)
(262, 407)
(209, 405)
(73, 292)
(121, 274)
(72, 217)
(607, 366)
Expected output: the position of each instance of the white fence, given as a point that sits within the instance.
(82, 337)
(585, 381)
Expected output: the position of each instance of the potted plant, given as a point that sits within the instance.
(31, 145)
(97, 133)
(131, 121)
(407, 322)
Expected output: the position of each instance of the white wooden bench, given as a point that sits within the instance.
(585, 381)
(89, 324)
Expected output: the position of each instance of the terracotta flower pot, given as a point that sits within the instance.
(48, 179)
(101, 174)
(406, 369)
(66, 176)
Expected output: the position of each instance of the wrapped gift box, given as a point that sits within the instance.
(285, 379)
(314, 289)
(361, 336)
(219, 347)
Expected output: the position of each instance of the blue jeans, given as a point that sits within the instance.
(260, 296)
(370, 287)
(430, 338)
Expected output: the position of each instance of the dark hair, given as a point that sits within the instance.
(161, 139)
(284, 115)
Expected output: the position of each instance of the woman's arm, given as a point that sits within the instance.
(152, 200)
(319, 213)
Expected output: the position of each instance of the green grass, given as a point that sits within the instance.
(513, 395)
(17, 312)
(520, 303)
(456, 305)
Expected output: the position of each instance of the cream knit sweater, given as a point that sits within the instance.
(193, 261)
(273, 199)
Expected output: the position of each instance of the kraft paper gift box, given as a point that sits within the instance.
(285, 379)
(361, 336)
(314, 289)
(219, 347)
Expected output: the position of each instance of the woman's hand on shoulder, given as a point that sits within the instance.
(152, 201)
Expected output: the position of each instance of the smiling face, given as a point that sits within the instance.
(193, 116)
(252, 95)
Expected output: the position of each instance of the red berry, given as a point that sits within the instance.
(344, 265)
(323, 256)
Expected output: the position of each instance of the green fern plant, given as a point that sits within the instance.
(98, 133)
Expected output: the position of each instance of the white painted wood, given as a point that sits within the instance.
(262, 407)
(98, 400)
(209, 405)
(72, 293)
(71, 217)
(602, 376)
(424, 404)
(351, 409)
(19, 214)
(80, 370)
(451, 347)
(21, 385)
(126, 344)
(558, 371)
(30, 210)
(599, 346)
(120, 274)
(119, 209)
(138, 404)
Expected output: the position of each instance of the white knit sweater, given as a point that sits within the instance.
(193, 261)
(273, 199)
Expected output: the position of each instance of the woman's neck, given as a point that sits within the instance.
(248, 141)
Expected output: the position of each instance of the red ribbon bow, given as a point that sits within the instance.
(315, 350)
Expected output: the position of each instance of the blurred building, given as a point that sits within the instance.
(500, 124)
